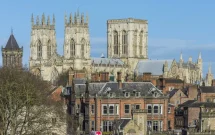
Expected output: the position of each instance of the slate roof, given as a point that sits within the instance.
(172, 93)
(207, 89)
(101, 89)
(187, 103)
(107, 61)
(11, 43)
(153, 66)
(123, 123)
(172, 80)
(93, 88)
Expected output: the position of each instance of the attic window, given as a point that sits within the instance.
(127, 94)
(111, 94)
(137, 94)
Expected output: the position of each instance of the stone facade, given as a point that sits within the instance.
(135, 126)
(127, 46)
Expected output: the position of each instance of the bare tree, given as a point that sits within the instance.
(24, 106)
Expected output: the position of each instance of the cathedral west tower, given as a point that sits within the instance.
(77, 42)
(43, 46)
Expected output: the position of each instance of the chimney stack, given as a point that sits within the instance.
(119, 80)
(147, 77)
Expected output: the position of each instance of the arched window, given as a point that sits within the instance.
(124, 42)
(135, 42)
(72, 48)
(82, 47)
(141, 43)
(116, 48)
(49, 49)
(39, 49)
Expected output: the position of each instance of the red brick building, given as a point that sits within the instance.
(206, 94)
(97, 105)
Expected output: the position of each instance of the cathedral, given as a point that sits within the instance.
(127, 49)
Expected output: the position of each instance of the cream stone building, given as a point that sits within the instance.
(127, 49)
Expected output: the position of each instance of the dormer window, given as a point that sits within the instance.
(111, 94)
(155, 94)
(137, 94)
(127, 94)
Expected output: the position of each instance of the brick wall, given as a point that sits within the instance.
(193, 114)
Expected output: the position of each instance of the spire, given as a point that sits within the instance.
(48, 21)
(209, 69)
(38, 20)
(70, 18)
(102, 56)
(43, 19)
(82, 18)
(53, 21)
(181, 57)
(200, 55)
(75, 19)
(32, 19)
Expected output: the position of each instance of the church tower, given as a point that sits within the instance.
(128, 40)
(199, 64)
(12, 54)
(77, 42)
(209, 77)
(43, 42)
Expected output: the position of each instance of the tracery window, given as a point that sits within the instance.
(116, 46)
(124, 42)
(72, 48)
(135, 42)
(82, 47)
(39, 49)
(141, 43)
(49, 49)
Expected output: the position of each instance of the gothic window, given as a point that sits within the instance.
(141, 42)
(49, 49)
(72, 48)
(54, 75)
(135, 42)
(116, 47)
(82, 47)
(124, 42)
(39, 50)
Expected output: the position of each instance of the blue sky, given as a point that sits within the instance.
(174, 26)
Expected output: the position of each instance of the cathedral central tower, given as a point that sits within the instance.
(128, 40)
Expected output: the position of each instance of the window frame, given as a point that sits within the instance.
(149, 109)
(127, 94)
(92, 110)
(125, 110)
(104, 105)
